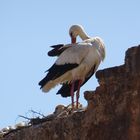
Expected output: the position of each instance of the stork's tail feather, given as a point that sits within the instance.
(47, 85)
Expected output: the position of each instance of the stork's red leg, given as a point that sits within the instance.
(78, 93)
(72, 94)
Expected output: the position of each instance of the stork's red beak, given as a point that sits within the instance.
(73, 40)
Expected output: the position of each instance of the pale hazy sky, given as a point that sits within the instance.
(29, 27)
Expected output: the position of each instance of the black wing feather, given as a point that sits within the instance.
(57, 46)
(57, 50)
(55, 71)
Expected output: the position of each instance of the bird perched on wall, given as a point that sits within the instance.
(75, 64)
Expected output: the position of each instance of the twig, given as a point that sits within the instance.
(24, 117)
(37, 113)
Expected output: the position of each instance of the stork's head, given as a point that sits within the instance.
(77, 30)
(74, 31)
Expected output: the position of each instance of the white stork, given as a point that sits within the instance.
(76, 62)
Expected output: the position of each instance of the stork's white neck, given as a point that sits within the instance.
(83, 35)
